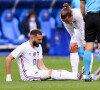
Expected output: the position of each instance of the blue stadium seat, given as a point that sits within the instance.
(58, 20)
(0, 34)
(9, 25)
(18, 42)
(47, 23)
(3, 41)
(23, 14)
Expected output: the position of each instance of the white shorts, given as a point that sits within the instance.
(78, 38)
(35, 75)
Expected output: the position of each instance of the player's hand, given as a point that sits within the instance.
(73, 46)
(84, 46)
(8, 78)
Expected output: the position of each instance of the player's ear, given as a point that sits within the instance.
(31, 37)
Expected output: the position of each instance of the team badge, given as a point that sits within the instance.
(34, 54)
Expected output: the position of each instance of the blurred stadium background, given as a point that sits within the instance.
(56, 39)
(55, 43)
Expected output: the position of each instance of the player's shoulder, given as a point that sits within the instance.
(25, 44)
(76, 12)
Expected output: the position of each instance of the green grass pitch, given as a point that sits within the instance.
(52, 63)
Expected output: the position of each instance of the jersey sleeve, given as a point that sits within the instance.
(70, 30)
(80, 25)
(17, 52)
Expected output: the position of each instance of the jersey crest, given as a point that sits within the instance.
(34, 54)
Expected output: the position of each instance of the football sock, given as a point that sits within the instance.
(63, 75)
(99, 57)
(74, 58)
(91, 62)
(87, 62)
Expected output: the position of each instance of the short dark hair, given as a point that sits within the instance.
(35, 32)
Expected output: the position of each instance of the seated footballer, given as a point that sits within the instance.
(29, 56)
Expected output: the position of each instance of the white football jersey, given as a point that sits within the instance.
(27, 56)
(77, 23)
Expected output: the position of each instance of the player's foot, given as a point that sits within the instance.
(89, 79)
(80, 73)
(96, 74)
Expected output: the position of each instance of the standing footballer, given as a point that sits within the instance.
(92, 31)
(74, 24)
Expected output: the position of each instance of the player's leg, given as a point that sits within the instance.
(74, 58)
(91, 62)
(87, 58)
(99, 49)
(65, 75)
(84, 76)
(57, 75)
(90, 36)
(79, 43)
(45, 74)
(98, 34)
(99, 52)
(31, 75)
(36, 75)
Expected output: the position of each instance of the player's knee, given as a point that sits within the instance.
(74, 50)
(90, 46)
(45, 74)
(55, 74)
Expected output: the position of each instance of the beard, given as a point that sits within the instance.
(35, 44)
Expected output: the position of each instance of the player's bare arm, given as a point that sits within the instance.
(41, 65)
(8, 67)
(82, 5)
(8, 63)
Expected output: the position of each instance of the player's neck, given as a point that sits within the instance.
(31, 43)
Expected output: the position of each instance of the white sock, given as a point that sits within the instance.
(91, 62)
(74, 58)
(63, 75)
